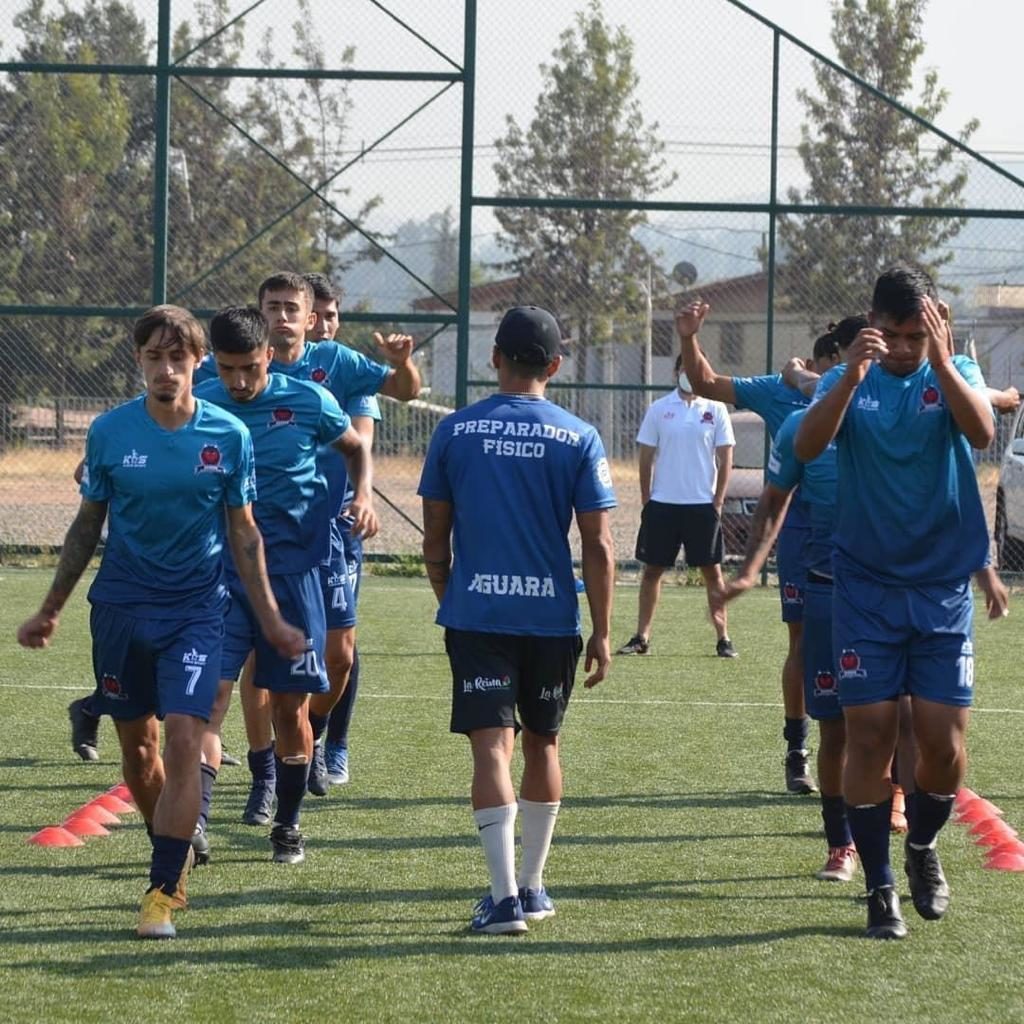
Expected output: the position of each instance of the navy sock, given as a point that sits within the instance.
(291, 788)
(869, 826)
(795, 733)
(317, 723)
(207, 777)
(88, 706)
(341, 715)
(926, 814)
(261, 764)
(837, 827)
(168, 859)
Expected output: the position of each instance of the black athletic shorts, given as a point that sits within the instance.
(496, 674)
(664, 529)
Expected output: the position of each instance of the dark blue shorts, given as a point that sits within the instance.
(891, 640)
(821, 683)
(154, 666)
(353, 555)
(336, 582)
(301, 602)
(789, 565)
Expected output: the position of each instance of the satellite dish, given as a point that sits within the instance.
(684, 273)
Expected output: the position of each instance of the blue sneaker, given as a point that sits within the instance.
(504, 918)
(336, 759)
(537, 904)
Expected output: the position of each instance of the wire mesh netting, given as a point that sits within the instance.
(612, 181)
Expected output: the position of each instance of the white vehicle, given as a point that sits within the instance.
(1009, 524)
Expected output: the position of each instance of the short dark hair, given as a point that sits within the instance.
(838, 337)
(177, 323)
(286, 281)
(324, 289)
(238, 329)
(900, 290)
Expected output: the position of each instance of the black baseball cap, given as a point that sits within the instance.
(529, 334)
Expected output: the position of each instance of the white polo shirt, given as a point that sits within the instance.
(685, 435)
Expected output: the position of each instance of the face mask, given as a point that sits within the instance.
(684, 383)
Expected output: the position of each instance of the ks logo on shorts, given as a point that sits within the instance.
(209, 460)
(825, 684)
(319, 376)
(110, 687)
(791, 593)
(931, 400)
(849, 665)
(281, 418)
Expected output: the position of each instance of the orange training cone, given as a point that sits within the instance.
(80, 824)
(114, 804)
(99, 813)
(55, 836)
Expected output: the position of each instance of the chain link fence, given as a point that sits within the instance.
(438, 173)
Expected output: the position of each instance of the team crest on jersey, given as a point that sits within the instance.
(669, 416)
(791, 593)
(824, 684)
(209, 460)
(134, 460)
(110, 687)
(708, 417)
(931, 400)
(849, 665)
(281, 418)
(319, 376)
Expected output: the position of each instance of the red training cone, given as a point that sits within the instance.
(114, 804)
(963, 797)
(80, 824)
(1006, 862)
(121, 791)
(997, 832)
(99, 813)
(55, 836)
(989, 825)
(979, 810)
(1006, 846)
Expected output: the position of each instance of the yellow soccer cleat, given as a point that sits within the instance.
(155, 915)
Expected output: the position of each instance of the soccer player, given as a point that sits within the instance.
(773, 401)
(910, 530)
(686, 444)
(289, 420)
(166, 466)
(500, 483)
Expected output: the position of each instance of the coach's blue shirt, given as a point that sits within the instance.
(288, 420)
(515, 469)
(817, 483)
(166, 491)
(909, 510)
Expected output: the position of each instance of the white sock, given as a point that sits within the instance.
(497, 830)
(538, 828)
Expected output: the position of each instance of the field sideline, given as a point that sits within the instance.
(681, 873)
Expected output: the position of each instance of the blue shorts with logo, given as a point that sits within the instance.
(821, 689)
(789, 565)
(301, 602)
(154, 666)
(338, 582)
(891, 640)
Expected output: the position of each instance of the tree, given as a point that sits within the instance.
(587, 139)
(859, 150)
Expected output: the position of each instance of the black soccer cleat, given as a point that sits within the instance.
(798, 773)
(259, 806)
(85, 730)
(725, 649)
(635, 645)
(288, 843)
(884, 918)
(228, 759)
(928, 886)
(200, 846)
(318, 782)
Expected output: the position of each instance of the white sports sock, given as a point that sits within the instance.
(538, 828)
(497, 830)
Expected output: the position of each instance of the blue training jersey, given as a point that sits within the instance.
(908, 505)
(288, 420)
(166, 491)
(817, 483)
(514, 468)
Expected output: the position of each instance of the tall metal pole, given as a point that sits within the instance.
(162, 117)
(466, 206)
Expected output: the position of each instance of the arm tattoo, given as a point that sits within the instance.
(79, 547)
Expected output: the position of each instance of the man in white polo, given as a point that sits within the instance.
(686, 446)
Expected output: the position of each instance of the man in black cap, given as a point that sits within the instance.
(500, 484)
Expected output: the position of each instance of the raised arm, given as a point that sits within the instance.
(403, 381)
(703, 379)
(355, 447)
(79, 546)
(797, 374)
(437, 543)
(598, 558)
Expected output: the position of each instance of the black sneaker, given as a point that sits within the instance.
(798, 773)
(200, 846)
(725, 649)
(884, 918)
(84, 730)
(289, 845)
(928, 886)
(259, 806)
(318, 782)
(636, 645)
(228, 759)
